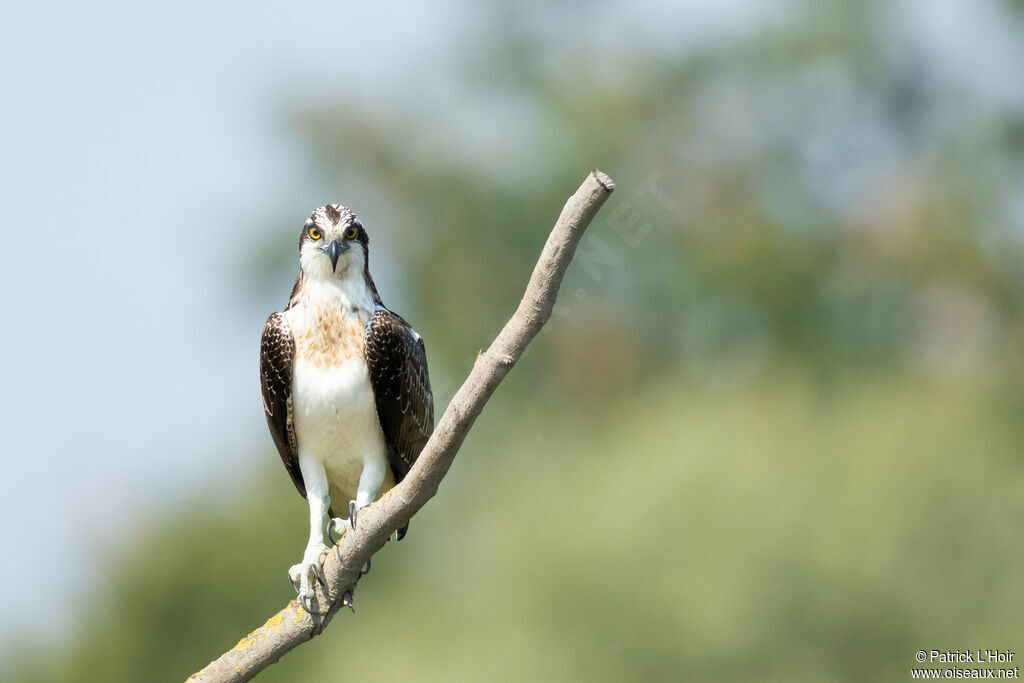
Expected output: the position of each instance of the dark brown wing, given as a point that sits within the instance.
(397, 362)
(277, 358)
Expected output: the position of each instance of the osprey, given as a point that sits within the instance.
(345, 385)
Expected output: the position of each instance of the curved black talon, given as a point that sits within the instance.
(337, 553)
(366, 571)
(352, 514)
(294, 587)
(318, 572)
(327, 530)
(302, 601)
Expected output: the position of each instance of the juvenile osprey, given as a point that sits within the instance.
(345, 384)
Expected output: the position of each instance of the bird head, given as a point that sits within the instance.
(333, 244)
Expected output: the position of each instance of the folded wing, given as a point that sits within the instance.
(277, 359)
(397, 361)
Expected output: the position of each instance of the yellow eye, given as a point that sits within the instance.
(351, 233)
(314, 233)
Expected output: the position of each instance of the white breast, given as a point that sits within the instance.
(336, 422)
(332, 400)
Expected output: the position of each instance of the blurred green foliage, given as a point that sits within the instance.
(773, 431)
(765, 534)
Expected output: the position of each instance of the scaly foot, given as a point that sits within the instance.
(304, 573)
(337, 525)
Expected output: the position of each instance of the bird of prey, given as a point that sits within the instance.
(345, 385)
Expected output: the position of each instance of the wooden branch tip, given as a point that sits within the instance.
(292, 626)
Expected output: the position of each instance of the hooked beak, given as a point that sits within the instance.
(335, 249)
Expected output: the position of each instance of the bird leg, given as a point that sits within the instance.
(310, 568)
(372, 476)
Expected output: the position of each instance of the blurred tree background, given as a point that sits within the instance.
(773, 432)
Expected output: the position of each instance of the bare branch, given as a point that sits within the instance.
(292, 625)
